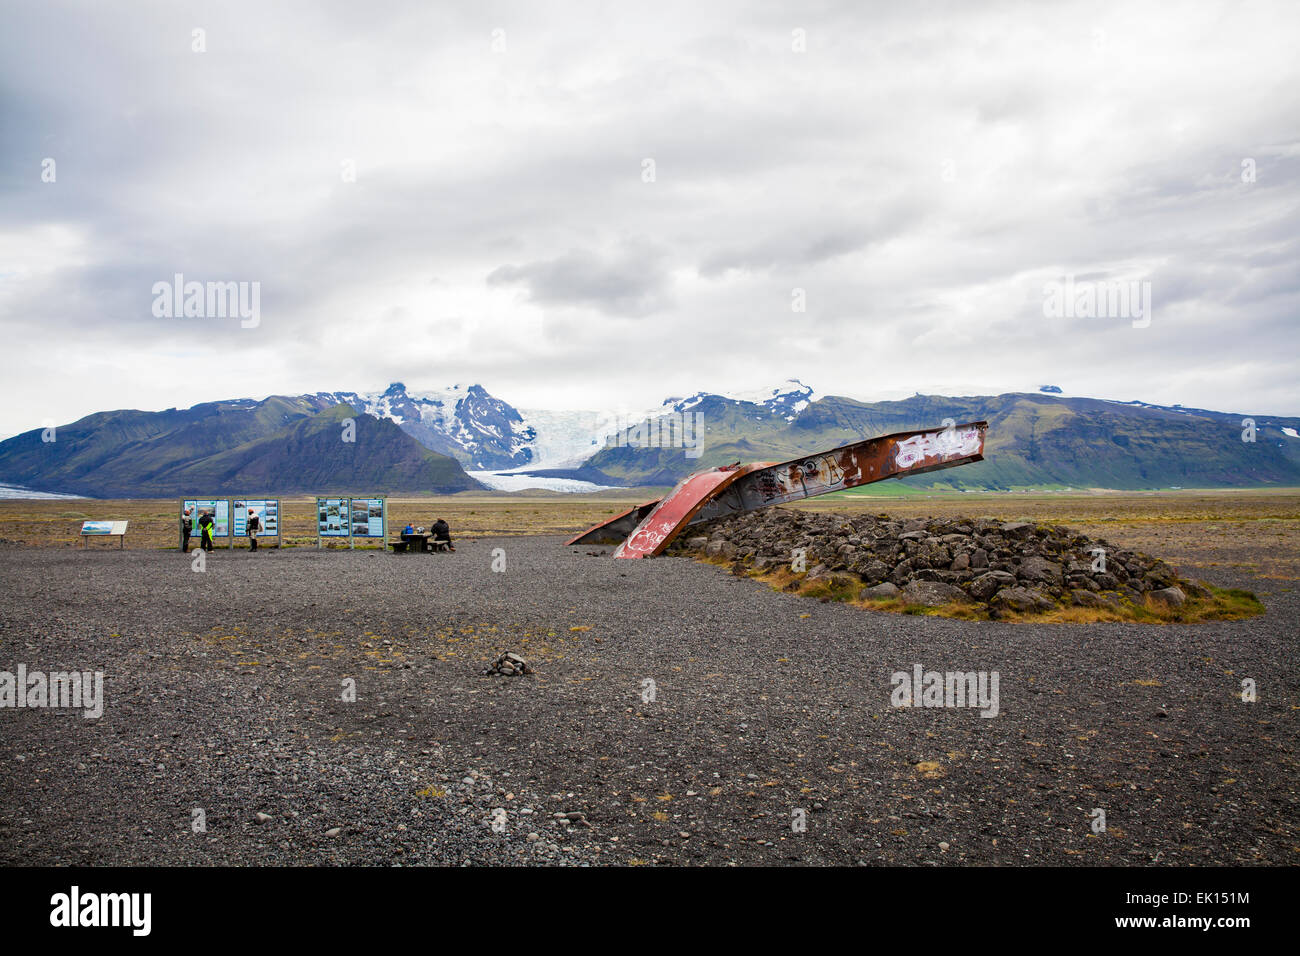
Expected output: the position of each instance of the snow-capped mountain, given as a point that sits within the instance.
(787, 399)
(465, 422)
(501, 445)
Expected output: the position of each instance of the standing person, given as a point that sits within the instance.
(442, 532)
(254, 525)
(187, 528)
(206, 524)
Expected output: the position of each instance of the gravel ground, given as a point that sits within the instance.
(224, 694)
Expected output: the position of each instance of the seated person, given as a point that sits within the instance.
(408, 529)
(442, 533)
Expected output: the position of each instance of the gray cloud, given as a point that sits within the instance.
(633, 282)
(920, 175)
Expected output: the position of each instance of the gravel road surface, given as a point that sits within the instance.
(677, 714)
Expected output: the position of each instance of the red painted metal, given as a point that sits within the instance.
(736, 488)
(674, 512)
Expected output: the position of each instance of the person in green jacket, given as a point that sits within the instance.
(206, 525)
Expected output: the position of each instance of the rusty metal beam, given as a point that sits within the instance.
(616, 529)
(850, 466)
(738, 488)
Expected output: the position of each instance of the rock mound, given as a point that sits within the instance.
(999, 566)
(508, 665)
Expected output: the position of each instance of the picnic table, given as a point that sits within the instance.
(410, 542)
(421, 543)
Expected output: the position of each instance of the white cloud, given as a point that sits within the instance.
(918, 175)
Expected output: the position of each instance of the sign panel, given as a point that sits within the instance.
(103, 527)
(368, 517)
(266, 509)
(219, 508)
(332, 517)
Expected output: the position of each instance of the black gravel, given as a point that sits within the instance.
(223, 694)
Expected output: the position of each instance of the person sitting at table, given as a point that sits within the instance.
(408, 529)
(442, 532)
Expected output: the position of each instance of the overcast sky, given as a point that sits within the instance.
(921, 172)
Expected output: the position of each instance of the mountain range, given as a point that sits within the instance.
(278, 445)
(463, 438)
(1034, 440)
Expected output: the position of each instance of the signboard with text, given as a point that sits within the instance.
(267, 511)
(219, 508)
(368, 517)
(103, 527)
(332, 517)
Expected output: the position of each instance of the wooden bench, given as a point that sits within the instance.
(399, 547)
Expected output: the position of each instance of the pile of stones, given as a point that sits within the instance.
(1002, 566)
(508, 665)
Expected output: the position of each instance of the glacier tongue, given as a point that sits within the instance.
(561, 439)
(514, 481)
(564, 439)
(18, 491)
(498, 444)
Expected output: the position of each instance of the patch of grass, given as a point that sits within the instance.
(1233, 604)
(832, 589)
(1223, 604)
(1070, 614)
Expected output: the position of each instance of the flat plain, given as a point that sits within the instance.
(677, 713)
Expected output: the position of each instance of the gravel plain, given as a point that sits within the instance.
(677, 714)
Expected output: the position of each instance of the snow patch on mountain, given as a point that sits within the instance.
(497, 443)
(462, 421)
(786, 399)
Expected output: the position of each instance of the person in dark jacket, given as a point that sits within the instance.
(253, 526)
(442, 532)
(187, 528)
(206, 526)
